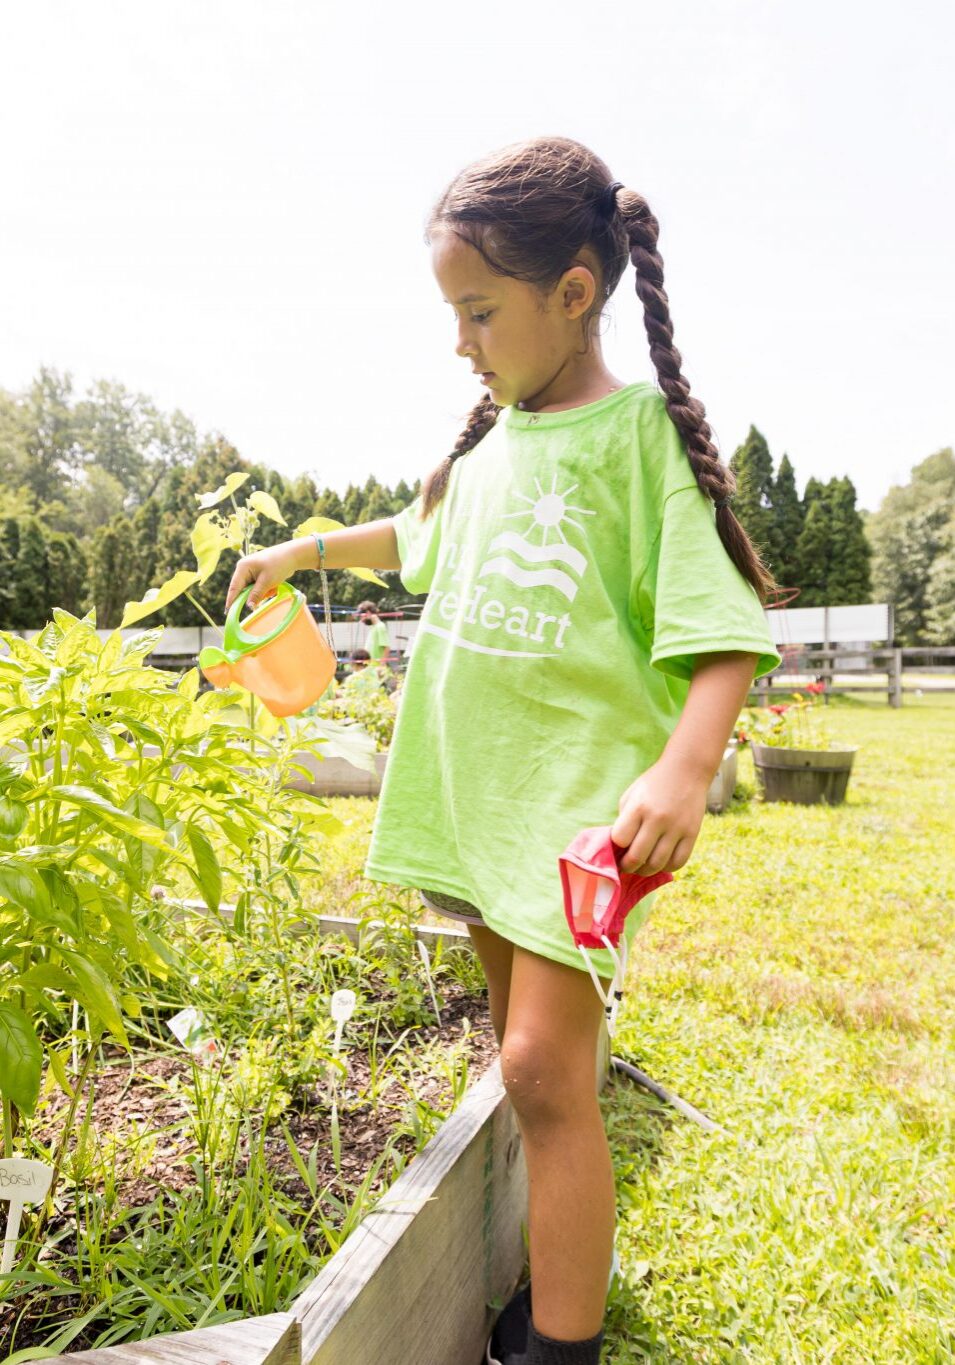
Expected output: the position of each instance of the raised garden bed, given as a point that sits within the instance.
(144, 1114)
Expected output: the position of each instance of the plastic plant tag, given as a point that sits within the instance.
(193, 1030)
(426, 959)
(343, 1007)
(21, 1182)
(598, 896)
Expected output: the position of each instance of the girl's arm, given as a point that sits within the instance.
(661, 813)
(372, 545)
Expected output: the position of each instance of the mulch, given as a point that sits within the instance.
(141, 1103)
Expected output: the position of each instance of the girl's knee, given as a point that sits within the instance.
(542, 1081)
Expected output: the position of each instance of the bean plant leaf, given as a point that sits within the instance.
(158, 597)
(267, 506)
(208, 542)
(233, 481)
(21, 1059)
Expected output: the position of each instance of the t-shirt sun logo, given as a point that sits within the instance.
(530, 563)
(547, 512)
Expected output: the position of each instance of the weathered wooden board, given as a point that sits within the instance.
(420, 1278)
(272, 1340)
(429, 934)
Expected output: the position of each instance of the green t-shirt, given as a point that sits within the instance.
(378, 642)
(574, 570)
(367, 679)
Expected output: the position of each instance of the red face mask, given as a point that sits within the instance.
(597, 899)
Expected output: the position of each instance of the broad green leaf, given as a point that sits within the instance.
(208, 542)
(15, 720)
(267, 506)
(21, 1059)
(95, 992)
(233, 481)
(158, 597)
(45, 976)
(189, 684)
(369, 576)
(80, 639)
(13, 816)
(208, 874)
(57, 1062)
(37, 688)
(25, 887)
(97, 805)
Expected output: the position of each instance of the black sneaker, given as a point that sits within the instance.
(508, 1343)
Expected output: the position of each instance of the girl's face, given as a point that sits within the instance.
(522, 342)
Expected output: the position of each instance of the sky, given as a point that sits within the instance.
(222, 205)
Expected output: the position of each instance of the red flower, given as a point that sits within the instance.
(816, 688)
(778, 710)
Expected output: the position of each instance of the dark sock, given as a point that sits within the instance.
(546, 1351)
(511, 1328)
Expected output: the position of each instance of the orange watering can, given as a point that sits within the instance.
(278, 652)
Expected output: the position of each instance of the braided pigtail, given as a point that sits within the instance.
(688, 414)
(482, 417)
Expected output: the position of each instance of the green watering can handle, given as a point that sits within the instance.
(237, 641)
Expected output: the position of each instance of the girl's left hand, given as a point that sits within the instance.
(660, 817)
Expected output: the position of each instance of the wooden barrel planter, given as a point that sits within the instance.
(805, 776)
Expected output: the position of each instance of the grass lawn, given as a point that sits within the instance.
(796, 982)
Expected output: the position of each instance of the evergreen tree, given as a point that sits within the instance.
(813, 548)
(788, 518)
(33, 602)
(112, 569)
(329, 504)
(850, 554)
(68, 571)
(752, 506)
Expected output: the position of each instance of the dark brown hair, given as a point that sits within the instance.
(530, 209)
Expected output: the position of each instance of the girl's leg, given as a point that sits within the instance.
(547, 1061)
(496, 955)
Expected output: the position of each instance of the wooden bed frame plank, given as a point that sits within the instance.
(272, 1340)
(422, 1277)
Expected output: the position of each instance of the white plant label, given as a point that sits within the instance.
(343, 1007)
(21, 1182)
(192, 1029)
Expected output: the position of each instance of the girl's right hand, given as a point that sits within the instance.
(266, 569)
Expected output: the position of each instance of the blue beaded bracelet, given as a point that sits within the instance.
(320, 543)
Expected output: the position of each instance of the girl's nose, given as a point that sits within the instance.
(465, 346)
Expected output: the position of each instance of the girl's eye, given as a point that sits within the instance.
(480, 317)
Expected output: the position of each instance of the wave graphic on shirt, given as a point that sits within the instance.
(531, 578)
(535, 554)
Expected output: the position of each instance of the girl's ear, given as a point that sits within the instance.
(576, 291)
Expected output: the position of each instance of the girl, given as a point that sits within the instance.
(592, 629)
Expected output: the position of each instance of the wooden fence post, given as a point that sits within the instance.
(895, 678)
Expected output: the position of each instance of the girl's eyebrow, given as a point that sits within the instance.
(471, 298)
